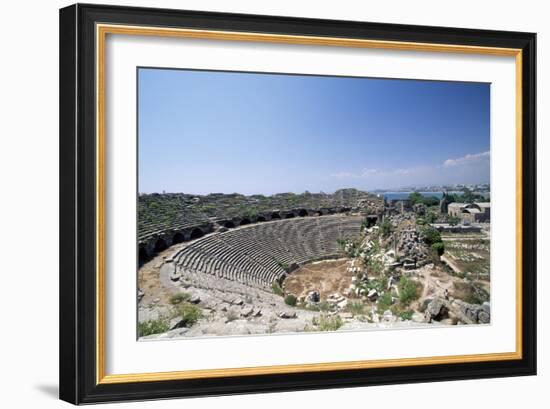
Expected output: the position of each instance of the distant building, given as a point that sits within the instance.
(470, 212)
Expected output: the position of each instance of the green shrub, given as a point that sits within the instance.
(384, 302)
(408, 290)
(291, 300)
(277, 288)
(328, 323)
(406, 315)
(188, 313)
(377, 284)
(178, 298)
(356, 307)
(153, 327)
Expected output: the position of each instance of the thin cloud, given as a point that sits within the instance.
(468, 159)
(370, 173)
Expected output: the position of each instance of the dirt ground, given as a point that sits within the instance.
(327, 277)
(149, 280)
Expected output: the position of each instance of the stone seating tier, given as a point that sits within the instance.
(259, 254)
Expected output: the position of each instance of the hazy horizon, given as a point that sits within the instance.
(204, 132)
(383, 190)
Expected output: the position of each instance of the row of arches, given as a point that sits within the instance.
(230, 224)
(161, 243)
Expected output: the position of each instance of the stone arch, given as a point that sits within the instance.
(302, 212)
(371, 220)
(160, 245)
(261, 219)
(318, 213)
(196, 233)
(178, 237)
(244, 222)
(289, 215)
(143, 255)
(275, 215)
(229, 224)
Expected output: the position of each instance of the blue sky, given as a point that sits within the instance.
(202, 132)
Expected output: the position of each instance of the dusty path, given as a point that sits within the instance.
(450, 263)
(149, 279)
(435, 282)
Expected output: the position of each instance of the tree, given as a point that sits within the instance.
(469, 197)
(431, 235)
(431, 217)
(439, 247)
(415, 198)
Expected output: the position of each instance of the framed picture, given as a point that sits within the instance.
(257, 203)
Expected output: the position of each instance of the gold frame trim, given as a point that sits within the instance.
(101, 33)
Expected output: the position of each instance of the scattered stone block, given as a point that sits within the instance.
(372, 295)
(247, 311)
(195, 299)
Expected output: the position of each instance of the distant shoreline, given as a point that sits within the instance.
(405, 195)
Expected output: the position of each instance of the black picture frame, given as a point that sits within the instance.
(78, 238)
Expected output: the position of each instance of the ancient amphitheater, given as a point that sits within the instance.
(232, 265)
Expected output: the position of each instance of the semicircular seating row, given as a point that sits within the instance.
(256, 254)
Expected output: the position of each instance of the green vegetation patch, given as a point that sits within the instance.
(409, 290)
(276, 287)
(291, 300)
(188, 313)
(151, 327)
(178, 298)
(356, 308)
(384, 302)
(328, 323)
(406, 315)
